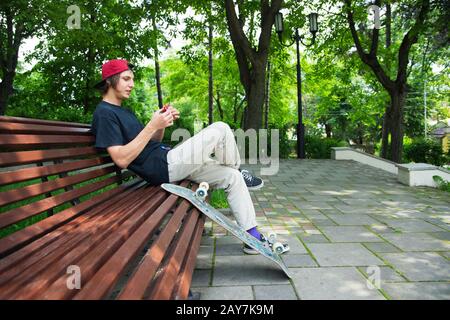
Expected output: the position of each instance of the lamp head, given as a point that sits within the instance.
(313, 27)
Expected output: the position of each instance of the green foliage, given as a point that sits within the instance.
(218, 199)
(442, 184)
(425, 151)
(320, 148)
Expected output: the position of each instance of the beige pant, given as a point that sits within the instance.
(194, 160)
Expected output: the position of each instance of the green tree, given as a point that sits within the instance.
(19, 20)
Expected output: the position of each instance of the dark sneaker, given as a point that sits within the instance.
(252, 182)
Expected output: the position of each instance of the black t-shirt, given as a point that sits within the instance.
(113, 125)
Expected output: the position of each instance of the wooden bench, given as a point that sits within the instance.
(75, 226)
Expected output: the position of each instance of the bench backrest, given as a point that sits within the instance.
(48, 167)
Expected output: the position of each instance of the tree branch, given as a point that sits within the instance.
(375, 36)
(236, 32)
(267, 20)
(370, 59)
(409, 39)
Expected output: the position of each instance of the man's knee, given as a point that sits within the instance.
(220, 125)
(232, 177)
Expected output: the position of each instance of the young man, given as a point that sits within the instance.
(137, 147)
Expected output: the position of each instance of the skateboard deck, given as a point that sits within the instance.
(225, 222)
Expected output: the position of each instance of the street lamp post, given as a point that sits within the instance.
(313, 28)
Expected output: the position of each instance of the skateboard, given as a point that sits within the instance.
(197, 198)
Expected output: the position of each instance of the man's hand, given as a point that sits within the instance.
(161, 119)
(175, 113)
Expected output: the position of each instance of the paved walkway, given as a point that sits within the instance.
(346, 223)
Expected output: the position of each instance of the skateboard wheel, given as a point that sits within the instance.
(272, 237)
(278, 247)
(201, 193)
(204, 185)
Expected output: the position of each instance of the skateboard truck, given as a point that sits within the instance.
(276, 246)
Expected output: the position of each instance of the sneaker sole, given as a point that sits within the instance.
(250, 251)
(256, 187)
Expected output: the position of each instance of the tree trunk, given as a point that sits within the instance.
(385, 133)
(157, 70)
(255, 94)
(87, 90)
(328, 130)
(9, 54)
(210, 70)
(252, 61)
(385, 130)
(6, 89)
(267, 96)
(219, 106)
(398, 98)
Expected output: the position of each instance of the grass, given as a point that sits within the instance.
(218, 199)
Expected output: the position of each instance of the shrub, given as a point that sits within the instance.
(425, 150)
(320, 148)
(442, 184)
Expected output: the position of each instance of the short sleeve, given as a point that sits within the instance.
(107, 132)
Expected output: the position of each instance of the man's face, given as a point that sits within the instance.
(125, 85)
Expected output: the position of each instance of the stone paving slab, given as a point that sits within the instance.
(225, 293)
(204, 257)
(420, 266)
(418, 291)
(350, 234)
(411, 225)
(417, 242)
(387, 274)
(247, 270)
(378, 247)
(343, 254)
(298, 260)
(332, 284)
(275, 292)
(352, 219)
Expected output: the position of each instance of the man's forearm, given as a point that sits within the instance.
(158, 135)
(131, 150)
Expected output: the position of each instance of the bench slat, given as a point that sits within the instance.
(45, 122)
(25, 157)
(26, 128)
(18, 141)
(33, 190)
(20, 175)
(18, 214)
